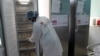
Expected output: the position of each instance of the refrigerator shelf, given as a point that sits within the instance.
(24, 23)
(27, 49)
(25, 40)
(24, 30)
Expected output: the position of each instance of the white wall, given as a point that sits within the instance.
(44, 8)
(10, 27)
(94, 31)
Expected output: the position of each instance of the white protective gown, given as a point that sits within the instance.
(96, 50)
(45, 35)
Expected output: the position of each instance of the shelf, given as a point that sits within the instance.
(25, 40)
(24, 23)
(24, 30)
(20, 13)
(27, 49)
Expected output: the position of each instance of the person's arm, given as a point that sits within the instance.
(36, 33)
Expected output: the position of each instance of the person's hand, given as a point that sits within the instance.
(29, 40)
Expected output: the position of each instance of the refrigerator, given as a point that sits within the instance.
(79, 42)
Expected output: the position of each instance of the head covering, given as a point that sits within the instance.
(32, 14)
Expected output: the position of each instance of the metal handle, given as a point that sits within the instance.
(72, 27)
(76, 24)
(77, 27)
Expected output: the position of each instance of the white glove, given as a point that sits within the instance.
(30, 40)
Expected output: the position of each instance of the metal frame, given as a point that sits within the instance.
(4, 42)
(72, 24)
(14, 3)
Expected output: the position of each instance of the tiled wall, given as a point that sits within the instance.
(10, 27)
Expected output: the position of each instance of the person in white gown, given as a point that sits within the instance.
(45, 35)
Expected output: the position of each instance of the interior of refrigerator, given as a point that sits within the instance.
(24, 29)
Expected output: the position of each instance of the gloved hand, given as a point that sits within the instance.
(30, 40)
